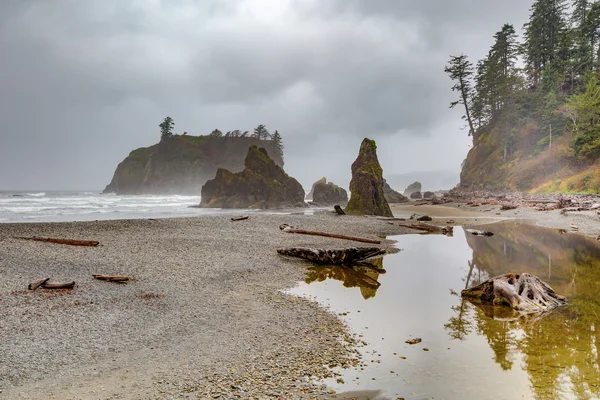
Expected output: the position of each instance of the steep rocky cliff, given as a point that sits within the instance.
(182, 164)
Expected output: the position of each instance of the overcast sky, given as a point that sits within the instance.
(82, 83)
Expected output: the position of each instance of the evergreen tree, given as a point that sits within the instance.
(460, 70)
(216, 133)
(543, 35)
(276, 138)
(261, 132)
(166, 128)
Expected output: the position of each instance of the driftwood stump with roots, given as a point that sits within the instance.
(524, 292)
(347, 257)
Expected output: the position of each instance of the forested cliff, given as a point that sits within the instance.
(532, 105)
(181, 164)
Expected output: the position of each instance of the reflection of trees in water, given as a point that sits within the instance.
(560, 350)
(361, 277)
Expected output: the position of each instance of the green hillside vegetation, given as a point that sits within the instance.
(533, 106)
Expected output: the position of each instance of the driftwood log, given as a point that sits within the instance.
(339, 210)
(111, 278)
(524, 292)
(292, 229)
(347, 257)
(478, 232)
(36, 284)
(71, 242)
(56, 285)
(427, 228)
(240, 218)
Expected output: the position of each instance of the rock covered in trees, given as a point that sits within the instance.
(392, 196)
(412, 188)
(262, 184)
(181, 164)
(366, 186)
(416, 195)
(310, 194)
(328, 193)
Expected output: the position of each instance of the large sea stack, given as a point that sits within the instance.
(366, 186)
(413, 188)
(328, 193)
(262, 184)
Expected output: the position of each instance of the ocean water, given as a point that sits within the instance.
(53, 206)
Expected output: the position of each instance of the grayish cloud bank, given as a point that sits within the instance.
(82, 83)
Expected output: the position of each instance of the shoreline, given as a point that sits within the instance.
(205, 313)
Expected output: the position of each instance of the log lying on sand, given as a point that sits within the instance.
(478, 232)
(339, 210)
(506, 207)
(524, 292)
(71, 242)
(347, 257)
(426, 228)
(56, 285)
(36, 284)
(241, 218)
(112, 278)
(293, 229)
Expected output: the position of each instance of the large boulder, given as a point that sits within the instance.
(329, 193)
(392, 196)
(311, 194)
(428, 195)
(262, 184)
(412, 188)
(416, 195)
(366, 186)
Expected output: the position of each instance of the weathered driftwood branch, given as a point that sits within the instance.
(523, 292)
(36, 284)
(506, 207)
(426, 228)
(71, 242)
(111, 278)
(339, 210)
(292, 229)
(240, 218)
(56, 285)
(349, 256)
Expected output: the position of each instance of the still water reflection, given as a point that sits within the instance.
(472, 352)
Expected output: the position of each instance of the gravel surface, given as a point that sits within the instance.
(204, 316)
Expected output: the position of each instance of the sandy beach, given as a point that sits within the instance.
(204, 316)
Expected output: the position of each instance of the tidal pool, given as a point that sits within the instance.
(468, 352)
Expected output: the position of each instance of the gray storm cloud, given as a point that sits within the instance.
(84, 83)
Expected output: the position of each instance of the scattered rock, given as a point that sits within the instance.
(366, 186)
(392, 196)
(412, 188)
(413, 341)
(425, 218)
(262, 184)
